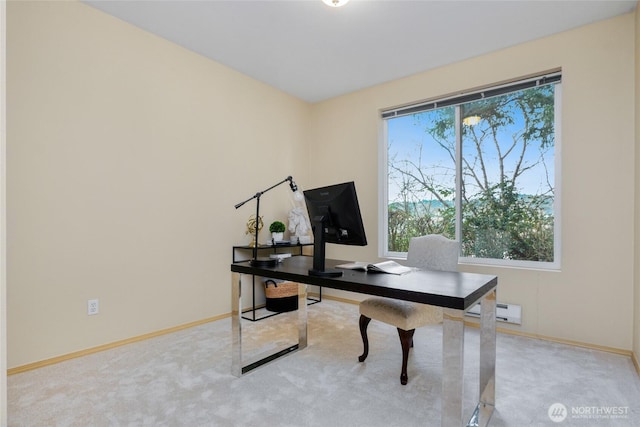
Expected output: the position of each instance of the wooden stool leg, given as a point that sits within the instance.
(406, 340)
(364, 322)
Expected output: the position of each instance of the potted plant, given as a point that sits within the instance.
(277, 231)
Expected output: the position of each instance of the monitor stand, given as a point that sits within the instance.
(319, 250)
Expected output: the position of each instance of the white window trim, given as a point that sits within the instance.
(383, 192)
(383, 211)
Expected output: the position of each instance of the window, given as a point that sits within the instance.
(482, 168)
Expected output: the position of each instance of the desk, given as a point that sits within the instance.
(454, 292)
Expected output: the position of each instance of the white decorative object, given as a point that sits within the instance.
(303, 240)
(299, 224)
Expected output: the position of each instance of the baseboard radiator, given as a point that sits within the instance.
(508, 313)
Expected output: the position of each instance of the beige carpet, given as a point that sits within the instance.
(184, 379)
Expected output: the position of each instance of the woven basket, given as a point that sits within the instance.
(280, 290)
(281, 296)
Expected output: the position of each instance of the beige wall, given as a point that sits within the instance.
(126, 155)
(591, 299)
(3, 240)
(636, 323)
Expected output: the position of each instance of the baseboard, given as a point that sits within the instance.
(93, 350)
(54, 360)
(86, 352)
(580, 344)
(346, 300)
(475, 324)
(74, 355)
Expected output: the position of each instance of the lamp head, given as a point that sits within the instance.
(292, 184)
(297, 195)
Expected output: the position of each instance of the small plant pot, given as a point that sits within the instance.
(277, 237)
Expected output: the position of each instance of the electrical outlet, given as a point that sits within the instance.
(92, 307)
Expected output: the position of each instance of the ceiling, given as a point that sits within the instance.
(315, 52)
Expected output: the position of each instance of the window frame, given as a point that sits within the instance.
(383, 183)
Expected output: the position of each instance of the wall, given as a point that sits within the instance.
(591, 299)
(636, 323)
(3, 228)
(126, 155)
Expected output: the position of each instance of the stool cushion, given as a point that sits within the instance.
(405, 315)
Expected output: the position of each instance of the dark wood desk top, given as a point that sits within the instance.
(454, 290)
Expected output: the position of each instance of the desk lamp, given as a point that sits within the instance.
(267, 262)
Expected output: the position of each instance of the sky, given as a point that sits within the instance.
(407, 134)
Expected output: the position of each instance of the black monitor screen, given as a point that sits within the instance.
(335, 217)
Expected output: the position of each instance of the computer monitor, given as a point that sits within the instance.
(335, 218)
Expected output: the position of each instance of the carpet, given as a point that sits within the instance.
(184, 379)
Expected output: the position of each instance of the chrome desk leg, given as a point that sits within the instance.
(487, 359)
(302, 316)
(452, 367)
(236, 327)
(237, 367)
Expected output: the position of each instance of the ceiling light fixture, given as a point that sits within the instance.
(335, 3)
(471, 120)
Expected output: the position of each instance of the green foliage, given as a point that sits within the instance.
(497, 221)
(504, 225)
(405, 223)
(277, 227)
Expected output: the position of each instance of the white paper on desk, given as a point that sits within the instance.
(389, 267)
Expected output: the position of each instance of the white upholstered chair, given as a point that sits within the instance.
(431, 252)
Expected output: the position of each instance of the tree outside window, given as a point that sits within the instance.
(480, 171)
